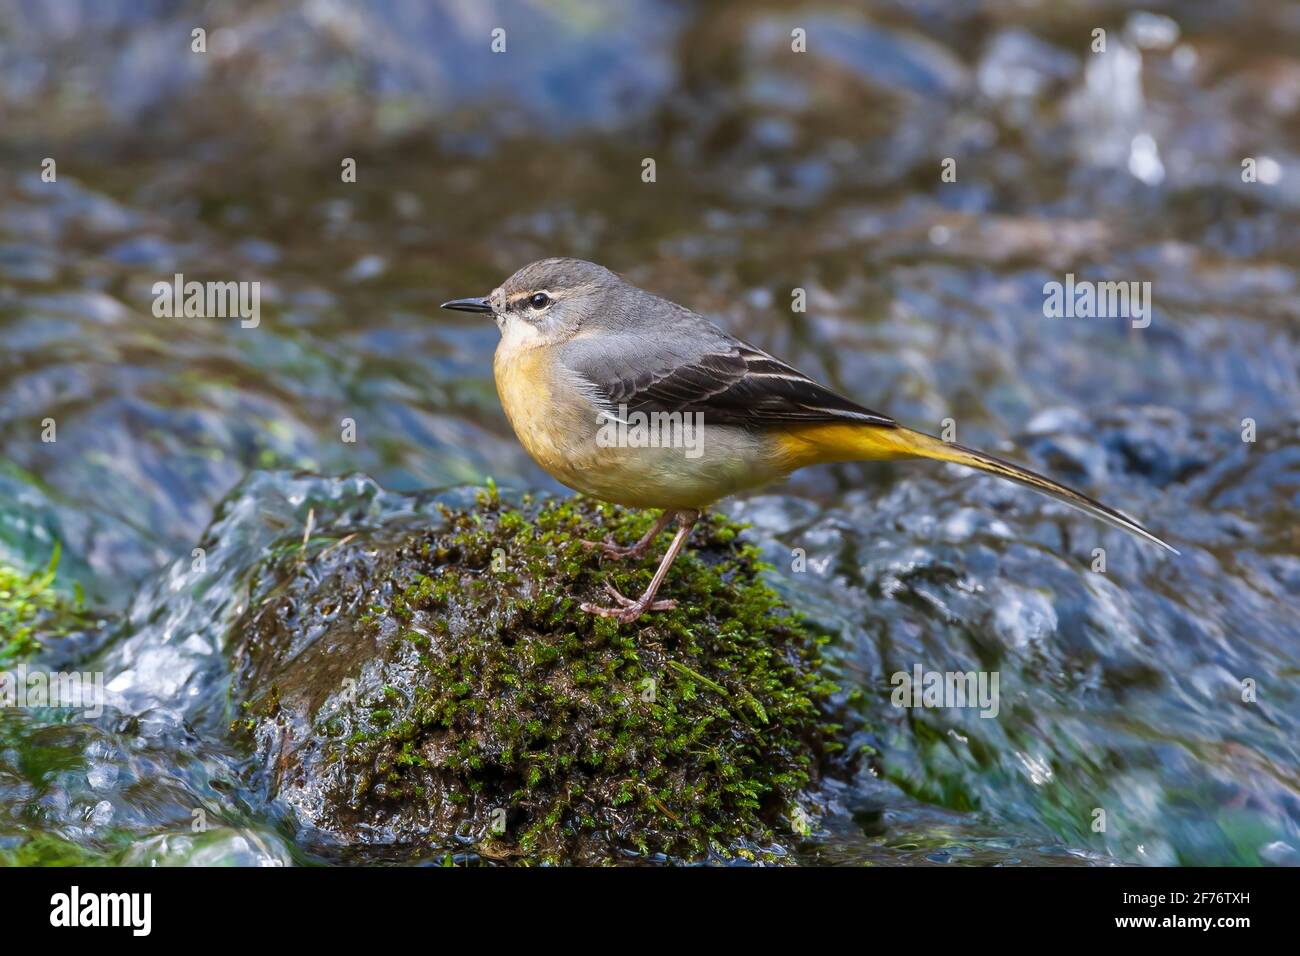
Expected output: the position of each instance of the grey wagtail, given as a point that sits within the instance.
(581, 349)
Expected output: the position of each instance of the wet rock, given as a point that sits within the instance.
(897, 61)
(440, 691)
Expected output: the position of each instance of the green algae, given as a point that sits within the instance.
(47, 849)
(490, 711)
(31, 609)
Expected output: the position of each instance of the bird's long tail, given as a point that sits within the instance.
(854, 442)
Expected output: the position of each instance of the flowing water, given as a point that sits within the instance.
(1161, 691)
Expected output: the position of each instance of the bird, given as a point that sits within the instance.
(633, 399)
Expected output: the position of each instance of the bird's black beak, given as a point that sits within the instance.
(467, 305)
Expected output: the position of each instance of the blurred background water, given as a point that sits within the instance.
(774, 171)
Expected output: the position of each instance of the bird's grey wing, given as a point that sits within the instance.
(728, 381)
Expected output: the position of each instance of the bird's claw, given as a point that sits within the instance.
(612, 549)
(628, 609)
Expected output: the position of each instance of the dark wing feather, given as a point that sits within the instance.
(734, 384)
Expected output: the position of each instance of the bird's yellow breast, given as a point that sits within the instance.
(521, 378)
(558, 425)
(541, 414)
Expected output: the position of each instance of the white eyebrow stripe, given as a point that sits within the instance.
(565, 293)
(524, 295)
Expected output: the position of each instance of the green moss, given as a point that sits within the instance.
(444, 688)
(31, 610)
(702, 721)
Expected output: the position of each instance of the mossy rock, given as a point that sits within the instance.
(442, 692)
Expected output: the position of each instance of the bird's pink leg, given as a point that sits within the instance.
(629, 610)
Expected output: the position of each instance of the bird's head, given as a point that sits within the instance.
(548, 301)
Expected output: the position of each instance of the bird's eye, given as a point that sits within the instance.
(539, 300)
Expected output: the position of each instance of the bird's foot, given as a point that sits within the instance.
(612, 549)
(628, 609)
